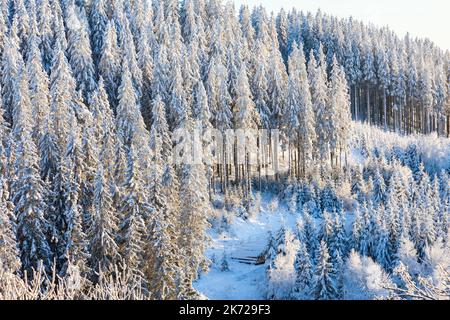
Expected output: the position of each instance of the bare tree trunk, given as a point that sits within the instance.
(260, 156)
(224, 169)
(385, 109)
(290, 171)
(448, 126)
(275, 156)
(368, 103)
(249, 182)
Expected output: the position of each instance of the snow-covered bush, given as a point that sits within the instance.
(281, 275)
(407, 254)
(421, 288)
(123, 286)
(364, 279)
(224, 263)
(432, 150)
(437, 258)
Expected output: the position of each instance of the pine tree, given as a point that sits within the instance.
(28, 190)
(129, 122)
(9, 254)
(260, 85)
(177, 106)
(318, 86)
(103, 247)
(382, 249)
(39, 88)
(307, 135)
(304, 271)
(277, 89)
(135, 213)
(245, 112)
(130, 58)
(165, 268)
(194, 214)
(191, 67)
(11, 64)
(62, 90)
(44, 24)
(21, 22)
(323, 287)
(338, 243)
(145, 60)
(310, 231)
(365, 238)
(282, 273)
(109, 63)
(339, 102)
(161, 82)
(98, 21)
(224, 263)
(3, 28)
(80, 54)
(356, 230)
(219, 96)
(77, 244)
(379, 188)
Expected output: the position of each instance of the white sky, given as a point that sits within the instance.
(422, 18)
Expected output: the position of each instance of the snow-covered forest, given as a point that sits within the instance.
(138, 137)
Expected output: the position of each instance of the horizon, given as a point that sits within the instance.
(401, 16)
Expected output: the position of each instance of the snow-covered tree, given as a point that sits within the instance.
(365, 279)
(109, 63)
(9, 254)
(304, 269)
(282, 274)
(39, 88)
(28, 190)
(318, 86)
(323, 286)
(103, 247)
(135, 213)
(299, 114)
(98, 21)
(80, 54)
(194, 215)
(129, 122)
(11, 64)
(339, 126)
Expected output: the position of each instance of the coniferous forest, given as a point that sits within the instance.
(153, 149)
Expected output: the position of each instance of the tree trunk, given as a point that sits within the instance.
(356, 103)
(385, 109)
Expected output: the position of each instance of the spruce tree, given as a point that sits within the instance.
(103, 247)
(324, 287)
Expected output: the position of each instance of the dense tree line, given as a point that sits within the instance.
(394, 244)
(401, 84)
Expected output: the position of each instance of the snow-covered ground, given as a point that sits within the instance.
(245, 238)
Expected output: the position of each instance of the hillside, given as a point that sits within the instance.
(235, 241)
(129, 127)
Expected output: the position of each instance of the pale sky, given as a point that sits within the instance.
(422, 18)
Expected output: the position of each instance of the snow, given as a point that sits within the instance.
(434, 150)
(246, 238)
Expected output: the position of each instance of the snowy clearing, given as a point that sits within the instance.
(246, 238)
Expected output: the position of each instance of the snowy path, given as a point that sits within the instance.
(245, 239)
